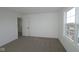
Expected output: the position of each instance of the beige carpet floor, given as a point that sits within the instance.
(34, 44)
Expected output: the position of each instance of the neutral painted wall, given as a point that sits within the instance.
(69, 45)
(8, 26)
(77, 20)
(41, 25)
(19, 24)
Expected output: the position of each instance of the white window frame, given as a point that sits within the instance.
(65, 19)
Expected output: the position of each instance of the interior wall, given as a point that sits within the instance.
(77, 22)
(8, 26)
(69, 45)
(19, 24)
(41, 25)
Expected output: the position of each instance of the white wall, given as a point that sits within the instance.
(77, 20)
(69, 45)
(19, 25)
(8, 26)
(41, 25)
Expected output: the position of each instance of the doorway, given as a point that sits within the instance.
(19, 20)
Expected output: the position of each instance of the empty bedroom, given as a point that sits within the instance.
(39, 29)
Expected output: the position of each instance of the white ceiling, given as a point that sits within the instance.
(30, 10)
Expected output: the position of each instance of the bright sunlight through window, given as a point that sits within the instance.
(70, 24)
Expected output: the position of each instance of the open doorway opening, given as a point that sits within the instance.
(19, 20)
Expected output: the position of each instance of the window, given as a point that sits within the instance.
(70, 24)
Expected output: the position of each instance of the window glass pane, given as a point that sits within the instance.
(68, 20)
(72, 11)
(68, 14)
(70, 30)
(70, 24)
(72, 19)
